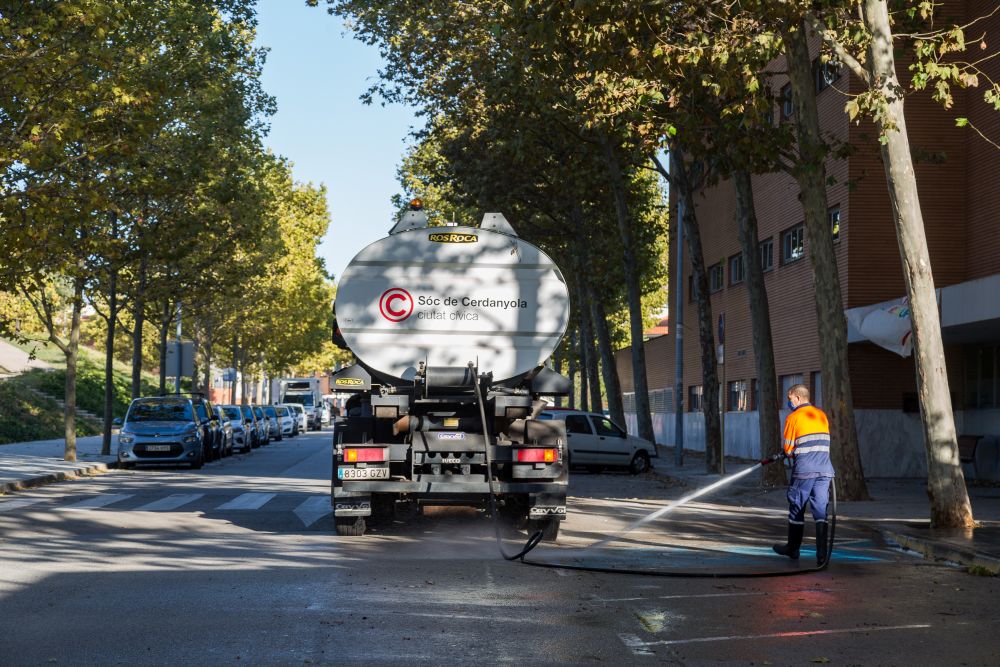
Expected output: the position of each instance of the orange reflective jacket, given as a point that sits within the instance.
(807, 442)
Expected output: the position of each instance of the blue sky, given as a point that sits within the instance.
(317, 71)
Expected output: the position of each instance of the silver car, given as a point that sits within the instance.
(243, 434)
(597, 442)
(286, 421)
(299, 413)
(273, 424)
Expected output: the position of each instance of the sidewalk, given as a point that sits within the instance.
(899, 510)
(27, 464)
(14, 360)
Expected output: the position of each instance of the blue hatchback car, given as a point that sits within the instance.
(167, 429)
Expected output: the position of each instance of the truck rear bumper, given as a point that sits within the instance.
(544, 500)
(442, 487)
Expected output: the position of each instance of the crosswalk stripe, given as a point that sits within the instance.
(171, 502)
(247, 501)
(313, 509)
(18, 503)
(99, 501)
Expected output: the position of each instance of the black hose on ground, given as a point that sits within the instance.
(536, 537)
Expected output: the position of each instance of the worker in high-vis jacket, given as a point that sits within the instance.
(807, 444)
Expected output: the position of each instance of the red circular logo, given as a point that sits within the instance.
(395, 304)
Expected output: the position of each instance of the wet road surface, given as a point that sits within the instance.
(237, 564)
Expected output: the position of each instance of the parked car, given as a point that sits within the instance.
(205, 410)
(286, 421)
(301, 418)
(273, 425)
(597, 442)
(243, 429)
(168, 429)
(263, 425)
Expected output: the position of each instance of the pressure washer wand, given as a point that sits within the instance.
(682, 501)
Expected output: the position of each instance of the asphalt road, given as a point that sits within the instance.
(237, 564)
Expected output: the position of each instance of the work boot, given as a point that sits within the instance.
(791, 549)
(822, 542)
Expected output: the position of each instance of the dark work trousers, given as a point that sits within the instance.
(813, 490)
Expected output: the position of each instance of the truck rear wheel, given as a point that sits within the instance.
(549, 528)
(350, 526)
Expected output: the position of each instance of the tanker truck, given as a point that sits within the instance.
(451, 328)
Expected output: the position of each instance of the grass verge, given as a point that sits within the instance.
(25, 415)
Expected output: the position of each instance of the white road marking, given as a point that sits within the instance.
(639, 647)
(18, 503)
(171, 502)
(99, 501)
(247, 501)
(313, 509)
(636, 645)
(714, 595)
(467, 617)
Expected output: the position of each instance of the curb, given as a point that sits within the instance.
(52, 478)
(975, 562)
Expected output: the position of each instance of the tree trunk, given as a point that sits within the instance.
(706, 337)
(950, 507)
(557, 366)
(760, 321)
(633, 291)
(810, 173)
(208, 363)
(109, 363)
(581, 344)
(612, 386)
(236, 375)
(571, 365)
(164, 332)
(590, 352)
(139, 311)
(195, 346)
(72, 352)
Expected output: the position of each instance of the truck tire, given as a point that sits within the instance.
(639, 464)
(383, 508)
(549, 528)
(350, 526)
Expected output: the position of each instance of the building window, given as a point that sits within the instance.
(981, 376)
(793, 244)
(787, 382)
(736, 269)
(716, 278)
(766, 254)
(833, 216)
(739, 397)
(816, 388)
(694, 398)
(787, 108)
(824, 74)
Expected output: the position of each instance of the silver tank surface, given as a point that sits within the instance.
(446, 296)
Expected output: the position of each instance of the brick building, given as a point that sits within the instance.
(959, 177)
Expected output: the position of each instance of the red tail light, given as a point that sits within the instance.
(536, 455)
(365, 454)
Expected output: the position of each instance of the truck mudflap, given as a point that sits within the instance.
(350, 503)
(547, 506)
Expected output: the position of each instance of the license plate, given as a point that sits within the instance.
(362, 473)
(157, 448)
